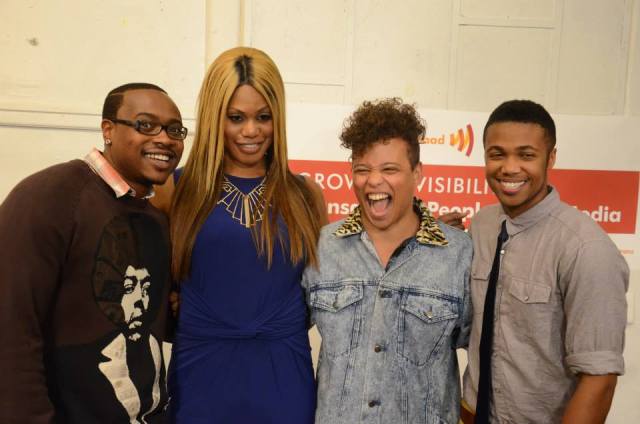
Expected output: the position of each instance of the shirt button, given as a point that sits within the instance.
(502, 252)
(526, 298)
(373, 403)
(377, 348)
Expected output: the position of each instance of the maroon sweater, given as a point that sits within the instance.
(84, 278)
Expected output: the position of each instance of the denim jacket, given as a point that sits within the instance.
(389, 336)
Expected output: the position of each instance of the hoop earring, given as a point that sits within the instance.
(107, 141)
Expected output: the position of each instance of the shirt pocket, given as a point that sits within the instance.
(480, 271)
(337, 313)
(529, 310)
(528, 292)
(425, 323)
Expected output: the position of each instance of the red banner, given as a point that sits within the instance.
(609, 197)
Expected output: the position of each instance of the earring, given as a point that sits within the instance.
(107, 141)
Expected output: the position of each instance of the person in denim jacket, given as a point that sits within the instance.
(390, 296)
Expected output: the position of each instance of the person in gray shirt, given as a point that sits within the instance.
(558, 310)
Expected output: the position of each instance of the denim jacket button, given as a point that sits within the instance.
(373, 403)
(385, 293)
(377, 348)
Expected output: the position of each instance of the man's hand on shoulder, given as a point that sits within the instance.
(454, 219)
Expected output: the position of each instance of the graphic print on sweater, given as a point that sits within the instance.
(128, 282)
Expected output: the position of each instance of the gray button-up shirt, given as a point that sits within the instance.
(389, 335)
(560, 308)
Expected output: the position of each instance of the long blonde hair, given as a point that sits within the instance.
(198, 189)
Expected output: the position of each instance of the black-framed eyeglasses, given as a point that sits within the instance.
(175, 130)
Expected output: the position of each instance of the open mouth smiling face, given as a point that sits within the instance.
(384, 183)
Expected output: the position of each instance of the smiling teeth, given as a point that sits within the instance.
(378, 196)
(158, 156)
(249, 148)
(512, 185)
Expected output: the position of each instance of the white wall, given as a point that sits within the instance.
(61, 57)
(571, 55)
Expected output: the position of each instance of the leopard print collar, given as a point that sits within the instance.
(428, 233)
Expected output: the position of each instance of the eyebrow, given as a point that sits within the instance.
(156, 118)
(519, 148)
(494, 148)
(527, 147)
(379, 166)
(261, 110)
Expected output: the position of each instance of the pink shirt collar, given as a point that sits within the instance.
(109, 175)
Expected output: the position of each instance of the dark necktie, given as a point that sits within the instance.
(486, 339)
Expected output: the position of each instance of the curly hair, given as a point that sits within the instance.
(381, 120)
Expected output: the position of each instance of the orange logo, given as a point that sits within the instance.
(462, 139)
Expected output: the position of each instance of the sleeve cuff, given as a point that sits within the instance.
(596, 363)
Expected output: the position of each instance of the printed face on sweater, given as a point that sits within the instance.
(131, 274)
(135, 300)
(142, 159)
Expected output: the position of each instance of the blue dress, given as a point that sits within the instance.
(241, 353)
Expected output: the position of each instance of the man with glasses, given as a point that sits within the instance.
(84, 274)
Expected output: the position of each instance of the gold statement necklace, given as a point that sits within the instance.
(244, 208)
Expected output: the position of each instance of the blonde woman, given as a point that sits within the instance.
(243, 228)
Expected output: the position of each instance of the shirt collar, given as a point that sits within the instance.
(109, 175)
(533, 215)
(429, 233)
